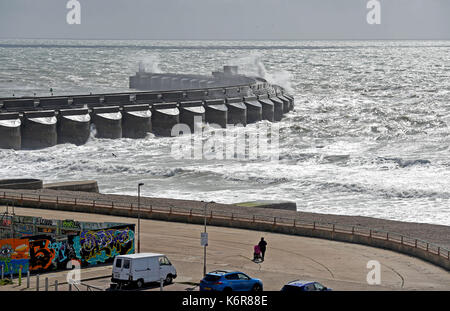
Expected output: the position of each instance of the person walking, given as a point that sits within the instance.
(262, 247)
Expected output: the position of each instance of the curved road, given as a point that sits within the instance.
(341, 266)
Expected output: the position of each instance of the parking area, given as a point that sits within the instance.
(340, 266)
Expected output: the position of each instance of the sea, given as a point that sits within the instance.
(369, 136)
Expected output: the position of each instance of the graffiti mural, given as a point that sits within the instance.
(98, 246)
(14, 255)
(47, 253)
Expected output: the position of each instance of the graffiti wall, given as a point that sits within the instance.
(14, 256)
(46, 253)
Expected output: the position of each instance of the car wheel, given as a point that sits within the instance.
(140, 283)
(257, 288)
(169, 279)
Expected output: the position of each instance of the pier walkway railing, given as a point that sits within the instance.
(416, 247)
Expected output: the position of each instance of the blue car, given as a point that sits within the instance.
(227, 281)
(304, 286)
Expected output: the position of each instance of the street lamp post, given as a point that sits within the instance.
(139, 216)
(205, 244)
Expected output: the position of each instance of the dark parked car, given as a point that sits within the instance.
(229, 281)
(304, 286)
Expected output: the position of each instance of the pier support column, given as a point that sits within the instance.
(39, 129)
(189, 111)
(237, 111)
(136, 121)
(254, 109)
(108, 122)
(10, 133)
(216, 112)
(164, 118)
(73, 126)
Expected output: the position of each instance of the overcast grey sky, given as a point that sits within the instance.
(225, 19)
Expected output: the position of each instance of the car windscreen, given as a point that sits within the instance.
(211, 278)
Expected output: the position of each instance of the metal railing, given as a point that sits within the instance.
(170, 209)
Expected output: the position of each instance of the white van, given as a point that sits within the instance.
(142, 268)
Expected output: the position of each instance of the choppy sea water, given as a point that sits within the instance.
(369, 135)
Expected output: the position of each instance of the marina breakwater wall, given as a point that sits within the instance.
(35, 123)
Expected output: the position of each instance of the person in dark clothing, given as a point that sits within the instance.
(262, 246)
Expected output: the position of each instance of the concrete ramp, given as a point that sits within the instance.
(136, 121)
(216, 112)
(191, 110)
(267, 108)
(164, 118)
(39, 129)
(108, 122)
(237, 111)
(10, 132)
(73, 126)
(254, 109)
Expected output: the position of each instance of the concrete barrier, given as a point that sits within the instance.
(84, 186)
(191, 110)
(254, 109)
(278, 108)
(164, 118)
(216, 112)
(267, 108)
(148, 98)
(119, 100)
(74, 126)
(237, 111)
(86, 101)
(39, 130)
(196, 95)
(136, 121)
(108, 122)
(166, 83)
(29, 184)
(218, 93)
(10, 131)
(233, 92)
(18, 105)
(173, 97)
(54, 103)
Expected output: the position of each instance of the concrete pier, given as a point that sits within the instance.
(136, 121)
(108, 122)
(39, 129)
(216, 112)
(164, 118)
(173, 97)
(267, 108)
(237, 111)
(191, 110)
(278, 108)
(74, 126)
(10, 132)
(254, 109)
(216, 93)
